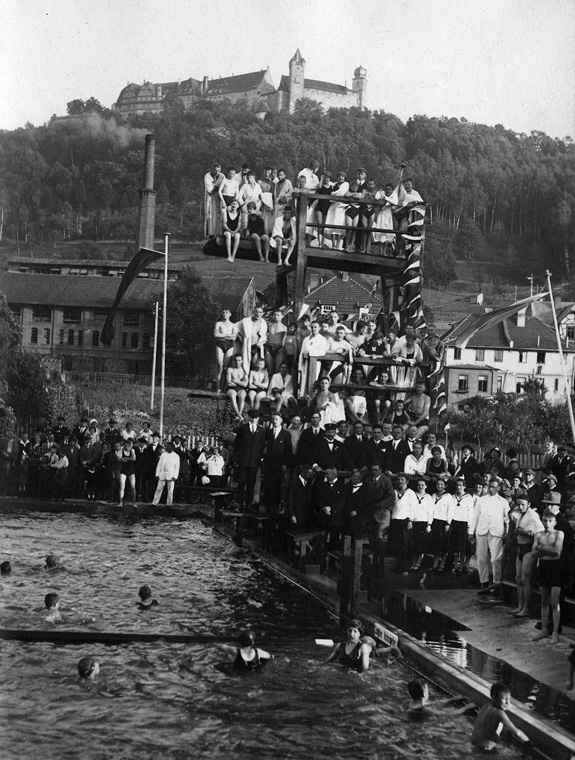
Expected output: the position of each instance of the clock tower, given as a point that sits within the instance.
(296, 79)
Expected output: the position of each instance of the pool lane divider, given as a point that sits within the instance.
(57, 636)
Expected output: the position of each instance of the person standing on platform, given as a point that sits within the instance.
(487, 527)
(213, 219)
(277, 460)
(248, 451)
(167, 472)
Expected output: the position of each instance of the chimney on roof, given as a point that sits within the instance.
(521, 317)
(345, 276)
(479, 299)
(205, 81)
(147, 215)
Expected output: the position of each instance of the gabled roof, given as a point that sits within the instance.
(344, 294)
(67, 290)
(316, 84)
(235, 84)
(534, 336)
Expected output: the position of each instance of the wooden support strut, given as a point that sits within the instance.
(300, 252)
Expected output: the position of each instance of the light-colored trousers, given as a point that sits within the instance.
(489, 545)
(160, 488)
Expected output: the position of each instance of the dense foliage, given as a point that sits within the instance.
(493, 193)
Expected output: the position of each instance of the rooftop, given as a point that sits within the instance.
(237, 83)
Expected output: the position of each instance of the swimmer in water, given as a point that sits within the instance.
(52, 561)
(247, 656)
(5, 568)
(88, 668)
(352, 652)
(492, 719)
(420, 707)
(146, 601)
(52, 604)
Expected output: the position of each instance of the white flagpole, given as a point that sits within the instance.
(563, 367)
(155, 356)
(164, 318)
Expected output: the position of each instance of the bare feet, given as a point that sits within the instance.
(515, 611)
(555, 638)
(540, 635)
(522, 614)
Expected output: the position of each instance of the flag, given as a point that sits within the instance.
(141, 260)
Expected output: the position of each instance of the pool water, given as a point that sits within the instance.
(178, 701)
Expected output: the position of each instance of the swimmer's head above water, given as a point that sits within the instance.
(5, 568)
(52, 560)
(88, 667)
(52, 601)
(145, 593)
(247, 639)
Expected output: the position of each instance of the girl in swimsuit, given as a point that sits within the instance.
(352, 652)
(225, 333)
(128, 470)
(232, 229)
(257, 384)
(247, 656)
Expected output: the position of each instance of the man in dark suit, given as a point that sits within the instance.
(400, 448)
(248, 450)
(277, 459)
(382, 439)
(360, 449)
(328, 497)
(467, 466)
(330, 453)
(60, 431)
(382, 501)
(81, 431)
(358, 507)
(300, 510)
(308, 441)
(154, 452)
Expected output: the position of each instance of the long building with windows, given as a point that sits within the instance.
(62, 316)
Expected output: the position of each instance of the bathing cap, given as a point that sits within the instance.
(247, 639)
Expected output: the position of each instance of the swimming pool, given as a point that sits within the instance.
(182, 700)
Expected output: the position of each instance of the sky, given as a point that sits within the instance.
(509, 62)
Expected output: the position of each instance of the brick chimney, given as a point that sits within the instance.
(147, 216)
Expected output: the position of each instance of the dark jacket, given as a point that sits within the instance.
(361, 452)
(307, 446)
(300, 504)
(326, 494)
(278, 450)
(332, 456)
(248, 446)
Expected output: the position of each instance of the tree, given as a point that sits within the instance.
(10, 332)
(75, 107)
(26, 382)
(190, 324)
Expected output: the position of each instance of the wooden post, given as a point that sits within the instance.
(357, 547)
(300, 251)
(345, 582)
(281, 288)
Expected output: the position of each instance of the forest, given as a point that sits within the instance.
(493, 195)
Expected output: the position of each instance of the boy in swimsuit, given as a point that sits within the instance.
(52, 604)
(237, 382)
(274, 345)
(247, 656)
(284, 231)
(352, 652)
(225, 333)
(492, 719)
(547, 549)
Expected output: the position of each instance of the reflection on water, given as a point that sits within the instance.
(178, 701)
(446, 638)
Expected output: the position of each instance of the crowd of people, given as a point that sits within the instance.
(357, 215)
(354, 370)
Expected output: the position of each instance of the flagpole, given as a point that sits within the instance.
(155, 357)
(164, 318)
(563, 367)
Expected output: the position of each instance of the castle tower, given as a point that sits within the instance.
(359, 86)
(296, 79)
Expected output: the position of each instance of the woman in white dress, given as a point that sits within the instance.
(384, 219)
(336, 213)
(212, 202)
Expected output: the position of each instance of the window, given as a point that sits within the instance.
(463, 384)
(457, 353)
(134, 340)
(34, 335)
(571, 332)
(61, 337)
(100, 316)
(72, 315)
(146, 337)
(499, 383)
(522, 357)
(556, 384)
(520, 385)
(95, 338)
(46, 336)
(483, 384)
(70, 337)
(124, 340)
(80, 337)
(42, 314)
(479, 354)
(131, 319)
(540, 357)
(498, 355)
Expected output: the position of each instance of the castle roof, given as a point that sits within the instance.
(316, 84)
(238, 83)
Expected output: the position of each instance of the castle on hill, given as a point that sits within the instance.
(255, 89)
